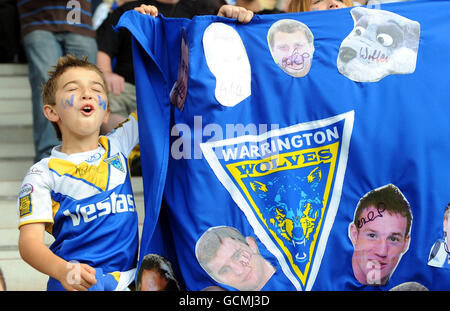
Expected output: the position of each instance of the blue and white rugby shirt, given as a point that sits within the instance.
(86, 201)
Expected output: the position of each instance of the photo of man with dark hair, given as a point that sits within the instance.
(380, 234)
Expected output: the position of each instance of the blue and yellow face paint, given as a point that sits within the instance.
(102, 103)
(67, 102)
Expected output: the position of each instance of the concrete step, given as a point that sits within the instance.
(21, 92)
(9, 189)
(9, 218)
(16, 119)
(10, 238)
(17, 151)
(20, 276)
(16, 134)
(13, 69)
(14, 169)
(14, 105)
(14, 82)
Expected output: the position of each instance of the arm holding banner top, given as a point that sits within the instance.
(241, 14)
(231, 11)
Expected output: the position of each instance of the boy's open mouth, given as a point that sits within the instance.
(87, 109)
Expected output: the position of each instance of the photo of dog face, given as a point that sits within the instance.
(381, 43)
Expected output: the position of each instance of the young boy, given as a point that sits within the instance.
(82, 193)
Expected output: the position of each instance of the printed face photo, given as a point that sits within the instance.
(446, 228)
(380, 235)
(179, 90)
(237, 265)
(439, 252)
(152, 281)
(381, 43)
(291, 46)
(232, 259)
(379, 244)
(156, 274)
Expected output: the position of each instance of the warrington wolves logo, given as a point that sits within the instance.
(288, 184)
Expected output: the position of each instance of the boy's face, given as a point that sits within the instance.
(81, 103)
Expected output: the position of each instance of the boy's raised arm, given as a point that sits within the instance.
(243, 15)
(147, 10)
(231, 11)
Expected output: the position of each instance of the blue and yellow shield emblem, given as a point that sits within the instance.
(288, 184)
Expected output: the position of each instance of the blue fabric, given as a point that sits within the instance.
(394, 131)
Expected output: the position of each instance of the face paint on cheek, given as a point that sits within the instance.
(102, 103)
(67, 102)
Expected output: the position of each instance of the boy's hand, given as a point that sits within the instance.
(231, 11)
(147, 10)
(77, 277)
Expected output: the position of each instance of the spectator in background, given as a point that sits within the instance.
(116, 46)
(256, 7)
(318, 5)
(51, 29)
(11, 49)
(103, 9)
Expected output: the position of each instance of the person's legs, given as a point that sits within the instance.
(79, 46)
(42, 51)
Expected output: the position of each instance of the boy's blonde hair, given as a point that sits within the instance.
(64, 63)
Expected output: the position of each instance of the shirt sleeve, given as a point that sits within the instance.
(34, 203)
(126, 135)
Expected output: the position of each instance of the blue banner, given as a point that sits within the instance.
(301, 151)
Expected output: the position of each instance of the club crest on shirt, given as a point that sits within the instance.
(288, 182)
(116, 162)
(25, 206)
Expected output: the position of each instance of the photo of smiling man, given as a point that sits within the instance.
(291, 44)
(380, 234)
(232, 259)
